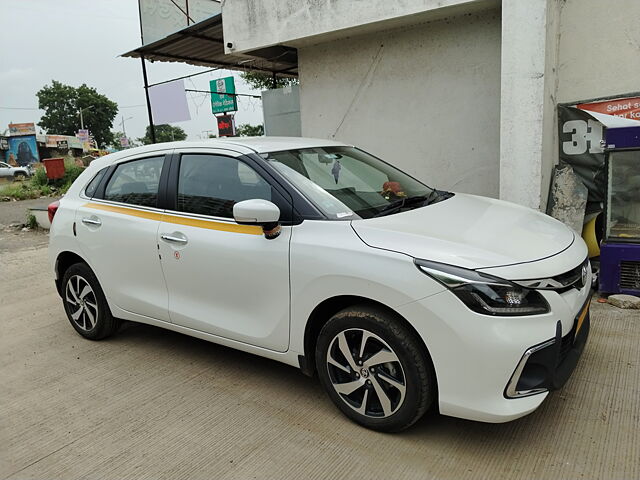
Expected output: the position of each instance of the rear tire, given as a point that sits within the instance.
(388, 383)
(85, 304)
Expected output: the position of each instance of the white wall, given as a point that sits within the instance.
(527, 134)
(251, 24)
(426, 98)
(599, 49)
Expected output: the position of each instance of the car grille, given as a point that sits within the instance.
(560, 283)
(630, 275)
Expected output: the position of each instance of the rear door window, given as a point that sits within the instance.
(136, 182)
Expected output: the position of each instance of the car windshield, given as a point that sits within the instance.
(346, 183)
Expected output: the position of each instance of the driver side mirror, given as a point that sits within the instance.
(258, 212)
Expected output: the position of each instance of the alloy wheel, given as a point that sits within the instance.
(82, 302)
(366, 373)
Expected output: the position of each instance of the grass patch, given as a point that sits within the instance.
(38, 185)
(32, 223)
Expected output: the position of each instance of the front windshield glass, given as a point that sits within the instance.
(345, 182)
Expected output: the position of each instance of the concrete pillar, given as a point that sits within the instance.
(527, 108)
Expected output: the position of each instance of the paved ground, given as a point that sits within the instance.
(153, 404)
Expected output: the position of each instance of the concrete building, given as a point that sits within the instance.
(460, 93)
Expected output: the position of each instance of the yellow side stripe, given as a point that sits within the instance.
(126, 211)
(189, 222)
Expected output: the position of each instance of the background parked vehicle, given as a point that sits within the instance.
(14, 173)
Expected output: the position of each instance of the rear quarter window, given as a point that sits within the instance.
(91, 188)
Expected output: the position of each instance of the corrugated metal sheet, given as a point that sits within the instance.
(202, 44)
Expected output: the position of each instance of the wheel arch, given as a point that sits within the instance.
(63, 261)
(329, 307)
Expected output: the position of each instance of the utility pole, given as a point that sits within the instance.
(152, 127)
(124, 131)
(80, 110)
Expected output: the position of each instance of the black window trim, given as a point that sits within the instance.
(170, 197)
(83, 192)
(100, 190)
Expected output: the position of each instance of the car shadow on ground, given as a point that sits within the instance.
(295, 388)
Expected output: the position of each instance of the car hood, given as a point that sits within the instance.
(468, 231)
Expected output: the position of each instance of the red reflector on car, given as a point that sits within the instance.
(52, 209)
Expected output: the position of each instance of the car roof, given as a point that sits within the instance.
(240, 144)
(275, 144)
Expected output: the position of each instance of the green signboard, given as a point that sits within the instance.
(221, 103)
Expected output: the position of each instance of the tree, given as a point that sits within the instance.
(62, 103)
(164, 133)
(246, 130)
(264, 81)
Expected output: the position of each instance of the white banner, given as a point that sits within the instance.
(169, 103)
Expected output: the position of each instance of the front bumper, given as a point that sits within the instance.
(475, 356)
(548, 366)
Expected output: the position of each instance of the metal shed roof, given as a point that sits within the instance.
(202, 44)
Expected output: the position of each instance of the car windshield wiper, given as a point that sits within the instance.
(400, 204)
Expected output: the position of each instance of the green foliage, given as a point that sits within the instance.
(39, 178)
(61, 104)
(164, 133)
(40, 186)
(246, 130)
(71, 172)
(32, 223)
(264, 81)
(20, 191)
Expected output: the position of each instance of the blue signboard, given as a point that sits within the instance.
(22, 151)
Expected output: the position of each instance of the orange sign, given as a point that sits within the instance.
(16, 129)
(620, 107)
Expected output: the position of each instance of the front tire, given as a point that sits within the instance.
(375, 369)
(85, 304)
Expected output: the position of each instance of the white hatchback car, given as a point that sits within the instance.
(319, 255)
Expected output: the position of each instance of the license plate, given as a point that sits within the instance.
(582, 316)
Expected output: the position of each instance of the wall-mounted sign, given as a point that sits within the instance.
(160, 18)
(22, 151)
(620, 107)
(581, 132)
(226, 126)
(52, 140)
(83, 136)
(22, 129)
(4, 143)
(221, 103)
(62, 145)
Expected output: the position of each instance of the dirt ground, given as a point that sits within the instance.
(13, 238)
(153, 404)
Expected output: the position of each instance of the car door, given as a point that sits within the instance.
(223, 278)
(117, 230)
(5, 170)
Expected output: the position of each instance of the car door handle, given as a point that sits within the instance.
(93, 220)
(174, 238)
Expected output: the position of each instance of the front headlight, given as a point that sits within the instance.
(484, 293)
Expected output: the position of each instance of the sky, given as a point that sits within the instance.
(79, 41)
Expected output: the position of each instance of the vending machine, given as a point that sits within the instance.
(620, 249)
